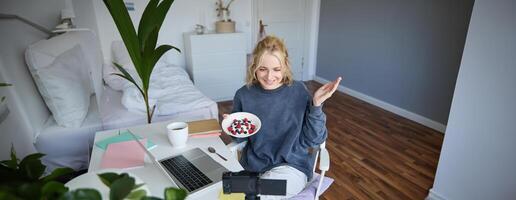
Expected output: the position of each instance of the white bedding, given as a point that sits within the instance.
(114, 115)
(171, 90)
(68, 147)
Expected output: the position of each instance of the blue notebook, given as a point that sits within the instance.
(121, 137)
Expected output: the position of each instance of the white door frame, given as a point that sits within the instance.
(312, 9)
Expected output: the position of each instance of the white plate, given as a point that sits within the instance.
(92, 180)
(240, 116)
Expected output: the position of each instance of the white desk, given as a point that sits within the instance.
(154, 179)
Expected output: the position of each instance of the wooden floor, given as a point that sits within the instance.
(375, 154)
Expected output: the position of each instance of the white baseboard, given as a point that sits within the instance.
(434, 196)
(389, 107)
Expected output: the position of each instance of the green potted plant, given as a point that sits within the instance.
(24, 180)
(141, 45)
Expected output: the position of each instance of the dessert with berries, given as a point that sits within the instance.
(241, 126)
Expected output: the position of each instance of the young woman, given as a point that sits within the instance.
(292, 120)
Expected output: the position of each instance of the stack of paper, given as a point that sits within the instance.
(128, 154)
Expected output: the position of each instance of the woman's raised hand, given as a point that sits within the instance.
(325, 92)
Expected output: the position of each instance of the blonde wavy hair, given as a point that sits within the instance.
(273, 46)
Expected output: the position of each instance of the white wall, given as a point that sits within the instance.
(13, 132)
(23, 97)
(85, 15)
(182, 17)
(28, 111)
(478, 158)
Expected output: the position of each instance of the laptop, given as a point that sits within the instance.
(192, 170)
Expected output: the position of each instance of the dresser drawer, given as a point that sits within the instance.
(218, 75)
(213, 43)
(220, 92)
(201, 62)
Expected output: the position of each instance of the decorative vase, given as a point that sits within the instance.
(225, 27)
(225, 15)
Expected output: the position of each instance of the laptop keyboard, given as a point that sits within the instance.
(184, 171)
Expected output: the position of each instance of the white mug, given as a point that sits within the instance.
(177, 134)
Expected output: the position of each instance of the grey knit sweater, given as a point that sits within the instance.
(290, 125)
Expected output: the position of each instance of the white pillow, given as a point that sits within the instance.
(42, 53)
(113, 81)
(120, 54)
(64, 87)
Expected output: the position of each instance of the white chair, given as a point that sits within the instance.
(321, 154)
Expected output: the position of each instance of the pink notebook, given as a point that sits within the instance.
(121, 155)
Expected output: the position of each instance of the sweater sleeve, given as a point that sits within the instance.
(314, 130)
(314, 126)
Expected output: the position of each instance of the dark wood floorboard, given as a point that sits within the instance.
(374, 154)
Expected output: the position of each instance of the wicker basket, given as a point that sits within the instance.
(225, 27)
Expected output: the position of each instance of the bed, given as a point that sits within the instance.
(114, 115)
(69, 145)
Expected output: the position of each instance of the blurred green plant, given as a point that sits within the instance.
(23, 180)
(141, 45)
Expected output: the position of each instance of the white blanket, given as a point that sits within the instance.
(170, 89)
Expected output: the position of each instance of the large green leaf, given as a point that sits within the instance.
(147, 23)
(53, 190)
(175, 194)
(162, 11)
(30, 190)
(8, 195)
(136, 194)
(8, 175)
(125, 73)
(152, 18)
(82, 194)
(108, 178)
(31, 166)
(121, 187)
(127, 76)
(147, 57)
(57, 173)
(125, 26)
(13, 162)
(160, 51)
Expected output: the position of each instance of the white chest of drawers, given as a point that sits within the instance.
(216, 63)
